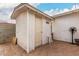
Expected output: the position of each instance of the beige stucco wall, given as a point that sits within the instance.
(61, 25)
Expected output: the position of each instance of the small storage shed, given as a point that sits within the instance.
(33, 27)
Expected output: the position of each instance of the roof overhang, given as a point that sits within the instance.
(23, 7)
(65, 13)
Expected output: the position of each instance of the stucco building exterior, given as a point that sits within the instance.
(63, 22)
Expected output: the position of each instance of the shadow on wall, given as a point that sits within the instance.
(72, 31)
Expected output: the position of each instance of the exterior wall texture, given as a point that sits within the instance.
(7, 31)
(25, 30)
(32, 31)
(46, 30)
(46, 35)
(21, 30)
(61, 25)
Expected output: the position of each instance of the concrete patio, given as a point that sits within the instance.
(57, 48)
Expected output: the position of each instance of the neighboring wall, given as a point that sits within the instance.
(7, 31)
(61, 25)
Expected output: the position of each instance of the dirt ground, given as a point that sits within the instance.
(57, 48)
